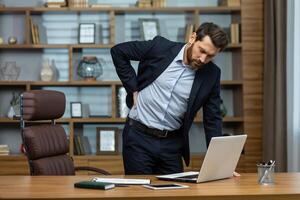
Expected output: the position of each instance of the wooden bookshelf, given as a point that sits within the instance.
(120, 10)
(247, 61)
(90, 83)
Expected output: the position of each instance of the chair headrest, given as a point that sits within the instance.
(43, 104)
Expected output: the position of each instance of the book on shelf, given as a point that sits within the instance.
(82, 145)
(35, 36)
(235, 33)
(55, 3)
(86, 145)
(159, 3)
(77, 150)
(78, 3)
(189, 28)
(32, 31)
(100, 5)
(4, 150)
(144, 3)
(229, 3)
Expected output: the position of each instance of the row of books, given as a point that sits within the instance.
(82, 145)
(4, 150)
(229, 3)
(78, 3)
(55, 3)
(71, 3)
(35, 35)
(151, 3)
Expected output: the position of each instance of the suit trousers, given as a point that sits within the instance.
(149, 154)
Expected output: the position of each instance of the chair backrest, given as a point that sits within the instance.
(46, 145)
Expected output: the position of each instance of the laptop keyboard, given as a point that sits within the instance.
(189, 176)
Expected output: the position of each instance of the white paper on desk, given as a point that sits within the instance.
(125, 181)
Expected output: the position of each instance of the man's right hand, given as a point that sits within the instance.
(135, 95)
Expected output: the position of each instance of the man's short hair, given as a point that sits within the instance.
(217, 35)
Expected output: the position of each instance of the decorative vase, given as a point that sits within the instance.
(11, 112)
(55, 70)
(1, 40)
(12, 40)
(46, 71)
(89, 68)
(10, 71)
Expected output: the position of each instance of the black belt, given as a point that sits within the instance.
(150, 131)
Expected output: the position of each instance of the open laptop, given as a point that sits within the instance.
(220, 161)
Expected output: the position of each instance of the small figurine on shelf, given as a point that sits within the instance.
(12, 40)
(14, 109)
(223, 109)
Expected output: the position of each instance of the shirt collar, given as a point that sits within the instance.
(179, 57)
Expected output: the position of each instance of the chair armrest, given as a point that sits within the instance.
(94, 169)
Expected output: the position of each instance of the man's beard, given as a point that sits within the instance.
(193, 63)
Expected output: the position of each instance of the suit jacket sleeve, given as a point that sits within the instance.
(121, 56)
(211, 112)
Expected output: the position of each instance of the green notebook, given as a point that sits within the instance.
(94, 185)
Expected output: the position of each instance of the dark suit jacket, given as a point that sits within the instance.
(155, 56)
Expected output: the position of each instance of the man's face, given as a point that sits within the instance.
(200, 52)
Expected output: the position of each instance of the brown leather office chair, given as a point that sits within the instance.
(46, 145)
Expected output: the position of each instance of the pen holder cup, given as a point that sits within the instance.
(265, 174)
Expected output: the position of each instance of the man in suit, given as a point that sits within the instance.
(174, 80)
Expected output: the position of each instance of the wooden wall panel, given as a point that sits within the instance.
(112, 164)
(14, 165)
(252, 25)
(253, 63)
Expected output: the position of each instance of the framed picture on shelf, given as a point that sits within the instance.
(149, 28)
(86, 33)
(107, 140)
(76, 109)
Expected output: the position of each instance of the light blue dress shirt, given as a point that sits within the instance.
(163, 103)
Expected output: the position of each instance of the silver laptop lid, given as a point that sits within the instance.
(221, 157)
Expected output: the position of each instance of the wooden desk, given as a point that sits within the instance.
(245, 188)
